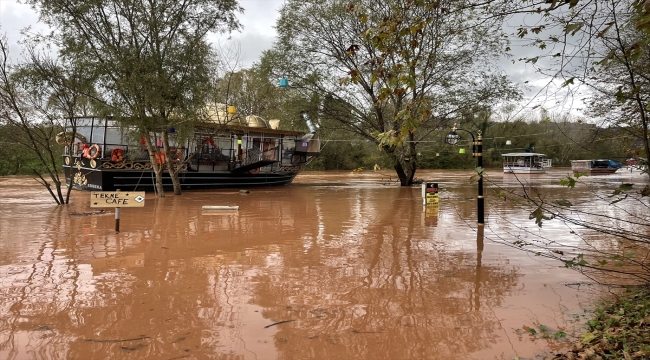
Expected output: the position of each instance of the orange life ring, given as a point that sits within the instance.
(161, 158)
(254, 171)
(92, 155)
(116, 155)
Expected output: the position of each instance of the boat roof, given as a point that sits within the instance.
(202, 126)
(238, 128)
(596, 160)
(523, 154)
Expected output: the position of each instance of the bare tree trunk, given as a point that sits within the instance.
(172, 166)
(404, 166)
(69, 184)
(157, 166)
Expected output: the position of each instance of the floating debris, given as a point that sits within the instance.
(278, 323)
(100, 212)
(219, 208)
(118, 340)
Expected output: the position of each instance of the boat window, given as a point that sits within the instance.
(98, 135)
(113, 136)
(83, 121)
(85, 131)
(223, 143)
(257, 142)
(289, 145)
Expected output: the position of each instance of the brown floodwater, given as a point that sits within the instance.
(335, 266)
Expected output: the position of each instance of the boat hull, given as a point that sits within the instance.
(523, 170)
(101, 179)
(595, 171)
(218, 155)
(594, 167)
(525, 163)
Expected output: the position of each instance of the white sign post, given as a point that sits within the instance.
(117, 199)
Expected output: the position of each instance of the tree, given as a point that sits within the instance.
(35, 97)
(617, 257)
(151, 59)
(600, 46)
(392, 71)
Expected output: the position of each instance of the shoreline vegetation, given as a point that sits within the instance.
(619, 329)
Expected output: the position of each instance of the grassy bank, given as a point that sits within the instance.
(620, 329)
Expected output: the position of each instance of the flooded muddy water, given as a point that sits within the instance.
(335, 266)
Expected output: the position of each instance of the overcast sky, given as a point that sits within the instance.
(258, 34)
(258, 20)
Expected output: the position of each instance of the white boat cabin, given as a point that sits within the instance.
(525, 163)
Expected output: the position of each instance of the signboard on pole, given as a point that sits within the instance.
(431, 201)
(431, 194)
(117, 199)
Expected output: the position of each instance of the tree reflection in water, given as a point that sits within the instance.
(393, 293)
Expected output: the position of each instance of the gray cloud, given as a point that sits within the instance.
(14, 18)
(258, 34)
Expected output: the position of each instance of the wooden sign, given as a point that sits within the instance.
(117, 199)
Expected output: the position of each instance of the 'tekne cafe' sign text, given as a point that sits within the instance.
(117, 199)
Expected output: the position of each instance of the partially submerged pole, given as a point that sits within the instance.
(480, 200)
(117, 217)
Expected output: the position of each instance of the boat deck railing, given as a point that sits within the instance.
(204, 158)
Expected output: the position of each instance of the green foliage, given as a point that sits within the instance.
(545, 332)
(392, 71)
(349, 156)
(605, 46)
(619, 328)
(569, 181)
(15, 158)
(559, 335)
(151, 60)
(539, 216)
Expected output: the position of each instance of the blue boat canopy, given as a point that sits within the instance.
(605, 163)
(614, 164)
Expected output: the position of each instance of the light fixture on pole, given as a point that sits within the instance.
(477, 151)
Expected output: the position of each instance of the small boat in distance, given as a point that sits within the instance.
(595, 167)
(525, 163)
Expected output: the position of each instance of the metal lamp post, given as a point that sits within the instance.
(477, 151)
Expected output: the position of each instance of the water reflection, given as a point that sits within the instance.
(600, 225)
(350, 265)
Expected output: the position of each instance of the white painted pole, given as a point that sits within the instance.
(424, 193)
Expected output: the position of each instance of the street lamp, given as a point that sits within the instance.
(477, 151)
